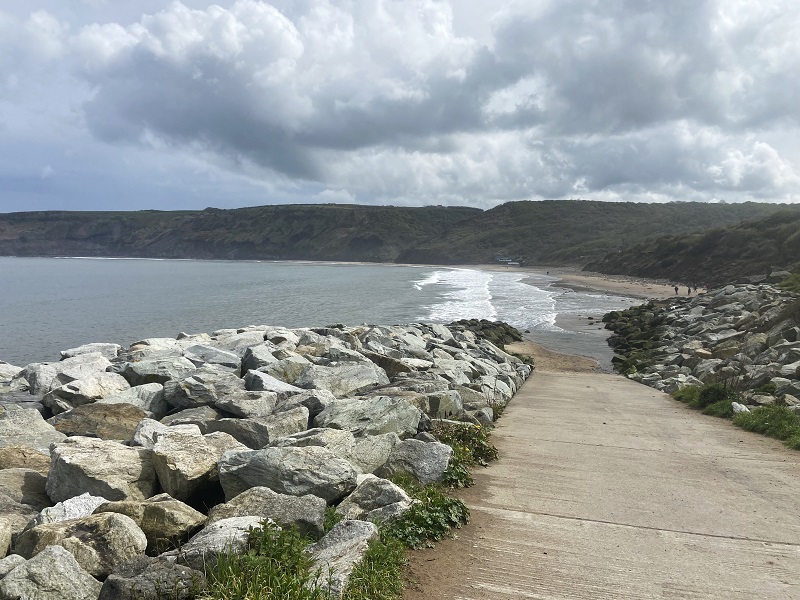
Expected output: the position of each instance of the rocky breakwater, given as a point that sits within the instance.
(126, 472)
(743, 336)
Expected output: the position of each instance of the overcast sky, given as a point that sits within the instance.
(132, 104)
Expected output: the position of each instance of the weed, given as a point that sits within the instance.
(473, 439)
(688, 395)
(458, 474)
(721, 408)
(331, 518)
(775, 421)
(276, 565)
(379, 576)
(716, 392)
(430, 518)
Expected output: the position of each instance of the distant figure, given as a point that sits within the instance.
(688, 291)
(676, 290)
(695, 289)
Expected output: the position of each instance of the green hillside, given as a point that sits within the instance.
(753, 248)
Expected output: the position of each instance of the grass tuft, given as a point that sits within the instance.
(775, 421)
(379, 576)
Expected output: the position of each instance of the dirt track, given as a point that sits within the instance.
(608, 489)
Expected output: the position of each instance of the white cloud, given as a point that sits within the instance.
(418, 101)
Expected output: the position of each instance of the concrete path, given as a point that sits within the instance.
(607, 489)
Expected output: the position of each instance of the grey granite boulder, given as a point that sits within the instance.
(184, 463)
(202, 354)
(342, 379)
(53, 574)
(9, 563)
(148, 578)
(199, 416)
(105, 421)
(306, 512)
(258, 381)
(226, 536)
(149, 397)
(155, 369)
(202, 387)
(165, 521)
(27, 427)
(425, 461)
(258, 433)
(147, 431)
(72, 508)
(445, 405)
(102, 468)
(337, 554)
(83, 391)
(43, 377)
(370, 452)
(371, 415)
(293, 471)
(314, 400)
(376, 500)
(247, 405)
(258, 356)
(98, 542)
(287, 369)
(106, 350)
(24, 486)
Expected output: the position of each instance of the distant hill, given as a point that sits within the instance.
(752, 248)
(574, 231)
(549, 232)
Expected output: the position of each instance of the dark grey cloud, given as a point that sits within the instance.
(406, 102)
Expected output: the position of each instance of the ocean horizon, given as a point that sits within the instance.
(52, 304)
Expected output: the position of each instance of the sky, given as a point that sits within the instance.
(152, 104)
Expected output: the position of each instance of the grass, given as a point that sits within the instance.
(276, 565)
(379, 576)
(713, 399)
(471, 446)
(774, 421)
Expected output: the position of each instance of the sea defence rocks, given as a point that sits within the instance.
(190, 442)
(743, 334)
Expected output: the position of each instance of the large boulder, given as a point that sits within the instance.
(287, 369)
(258, 433)
(293, 471)
(157, 369)
(147, 432)
(314, 400)
(202, 387)
(425, 461)
(98, 542)
(203, 354)
(53, 574)
(224, 537)
(24, 486)
(43, 377)
(248, 405)
(27, 427)
(83, 391)
(102, 468)
(165, 521)
(376, 500)
(307, 512)
(25, 457)
(366, 453)
(372, 415)
(106, 350)
(184, 463)
(258, 381)
(72, 508)
(343, 379)
(337, 554)
(148, 578)
(258, 356)
(105, 421)
(148, 397)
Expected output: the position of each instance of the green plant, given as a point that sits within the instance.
(687, 395)
(458, 474)
(331, 518)
(430, 518)
(775, 421)
(716, 392)
(721, 408)
(276, 565)
(767, 388)
(473, 439)
(379, 576)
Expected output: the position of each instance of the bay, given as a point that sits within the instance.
(51, 304)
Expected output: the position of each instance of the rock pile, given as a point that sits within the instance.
(128, 471)
(746, 335)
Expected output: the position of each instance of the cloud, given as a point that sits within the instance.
(425, 100)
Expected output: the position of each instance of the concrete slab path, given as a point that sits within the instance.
(607, 489)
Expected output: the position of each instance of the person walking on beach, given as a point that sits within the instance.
(676, 290)
(689, 291)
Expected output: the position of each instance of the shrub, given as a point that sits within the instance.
(429, 519)
(775, 421)
(276, 565)
(472, 439)
(687, 395)
(379, 576)
(722, 408)
(716, 392)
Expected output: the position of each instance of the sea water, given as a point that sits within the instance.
(51, 304)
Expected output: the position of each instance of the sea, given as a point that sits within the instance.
(52, 304)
